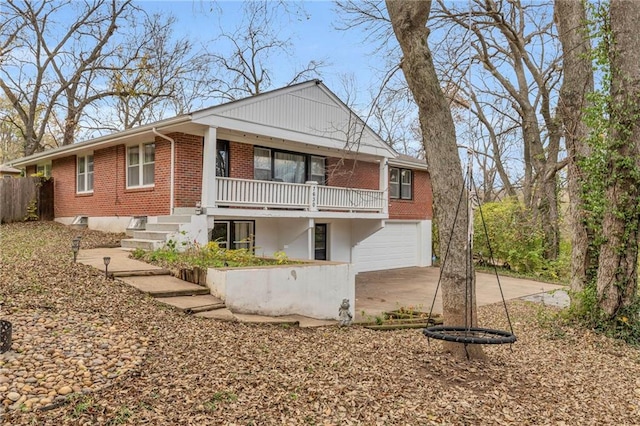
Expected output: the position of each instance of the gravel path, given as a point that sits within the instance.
(182, 370)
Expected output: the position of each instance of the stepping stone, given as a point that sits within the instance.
(165, 286)
(223, 314)
(193, 304)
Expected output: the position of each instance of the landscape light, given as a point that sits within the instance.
(106, 261)
(75, 248)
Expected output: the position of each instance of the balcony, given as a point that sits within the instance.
(309, 196)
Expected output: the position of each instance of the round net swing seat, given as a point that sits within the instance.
(469, 335)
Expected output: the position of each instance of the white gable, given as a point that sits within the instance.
(307, 112)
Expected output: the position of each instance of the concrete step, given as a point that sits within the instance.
(193, 304)
(179, 211)
(151, 235)
(223, 314)
(166, 227)
(165, 286)
(174, 219)
(140, 273)
(136, 243)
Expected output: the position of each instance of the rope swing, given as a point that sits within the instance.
(469, 334)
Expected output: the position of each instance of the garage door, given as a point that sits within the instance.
(394, 246)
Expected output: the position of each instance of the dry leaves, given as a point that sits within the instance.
(199, 371)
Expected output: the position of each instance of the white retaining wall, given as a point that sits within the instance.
(314, 290)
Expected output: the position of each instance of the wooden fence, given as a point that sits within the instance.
(27, 198)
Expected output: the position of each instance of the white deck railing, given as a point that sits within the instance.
(310, 196)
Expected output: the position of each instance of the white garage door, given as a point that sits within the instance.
(394, 246)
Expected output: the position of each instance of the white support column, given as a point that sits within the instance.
(209, 184)
(311, 235)
(313, 196)
(384, 184)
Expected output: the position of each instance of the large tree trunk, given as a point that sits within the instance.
(409, 20)
(617, 271)
(570, 16)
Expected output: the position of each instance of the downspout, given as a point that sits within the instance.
(171, 169)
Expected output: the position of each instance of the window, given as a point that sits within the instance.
(262, 164)
(85, 174)
(400, 183)
(284, 166)
(44, 170)
(233, 234)
(220, 234)
(288, 167)
(320, 241)
(317, 170)
(222, 158)
(141, 165)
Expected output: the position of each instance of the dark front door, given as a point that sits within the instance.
(320, 241)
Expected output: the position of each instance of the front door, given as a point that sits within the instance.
(320, 241)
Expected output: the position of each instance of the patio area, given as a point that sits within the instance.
(380, 291)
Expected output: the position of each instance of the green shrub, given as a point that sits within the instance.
(516, 241)
(208, 256)
(513, 237)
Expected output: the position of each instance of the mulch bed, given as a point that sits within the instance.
(196, 371)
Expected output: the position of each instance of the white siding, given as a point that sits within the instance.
(397, 245)
(307, 110)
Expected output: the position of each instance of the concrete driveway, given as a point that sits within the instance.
(381, 291)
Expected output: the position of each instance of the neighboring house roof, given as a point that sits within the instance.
(403, 160)
(306, 112)
(5, 168)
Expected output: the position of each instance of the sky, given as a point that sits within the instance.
(314, 37)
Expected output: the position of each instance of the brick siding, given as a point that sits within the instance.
(188, 169)
(352, 173)
(421, 206)
(240, 160)
(110, 196)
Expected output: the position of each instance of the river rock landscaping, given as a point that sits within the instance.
(88, 350)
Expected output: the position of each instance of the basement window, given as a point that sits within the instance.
(137, 223)
(80, 222)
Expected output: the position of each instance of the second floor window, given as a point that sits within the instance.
(141, 161)
(222, 158)
(400, 183)
(291, 167)
(85, 174)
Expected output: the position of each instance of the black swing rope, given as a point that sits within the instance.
(469, 334)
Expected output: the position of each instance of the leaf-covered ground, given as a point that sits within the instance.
(200, 371)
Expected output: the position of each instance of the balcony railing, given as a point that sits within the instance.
(308, 196)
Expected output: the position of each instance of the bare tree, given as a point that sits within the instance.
(617, 279)
(62, 69)
(161, 75)
(10, 144)
(256, 44)
(509, 40)
(409, 21)
(578, 83)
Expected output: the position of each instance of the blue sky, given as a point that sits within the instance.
(313, 37)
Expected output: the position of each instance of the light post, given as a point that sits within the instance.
(75, 248)
(106, 261)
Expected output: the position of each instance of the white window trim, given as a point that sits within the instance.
(400, 184)
(140, 167)
(86, 173)
(46, 169)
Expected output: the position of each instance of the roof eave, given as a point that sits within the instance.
(97, 142)
(415, 165)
